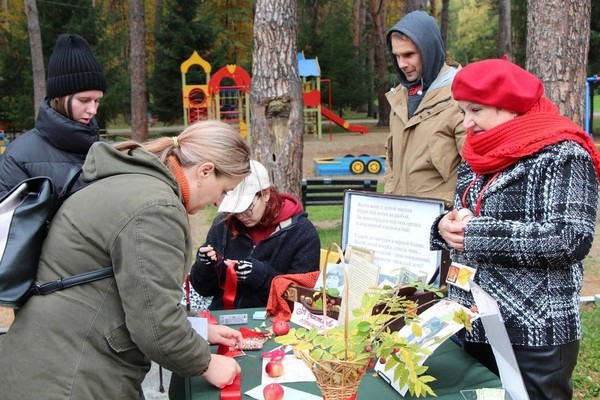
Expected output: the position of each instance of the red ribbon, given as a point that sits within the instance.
(188, 303)
(206, 314)
(230, 286)
(233, 391)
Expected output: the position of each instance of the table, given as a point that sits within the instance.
(454, 369)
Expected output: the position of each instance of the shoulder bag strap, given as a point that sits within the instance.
(72, 178)
(64, 283)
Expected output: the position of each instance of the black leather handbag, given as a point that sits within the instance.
(25, 215)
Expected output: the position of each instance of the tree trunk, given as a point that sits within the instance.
(37, 56)
(558, 34)
(379, 20)
(275, 95)
(445, 21)
(158, 14)
(504, 30)
(139, 100)
(433, 8)
(356, 28)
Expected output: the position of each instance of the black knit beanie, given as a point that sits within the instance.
(73, 68)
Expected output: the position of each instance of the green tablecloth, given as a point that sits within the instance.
(454, 369)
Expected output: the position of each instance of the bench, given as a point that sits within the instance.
(328, 192)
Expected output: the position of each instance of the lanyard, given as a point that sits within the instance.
(480, 197)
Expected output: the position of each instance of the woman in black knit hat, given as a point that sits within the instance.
(65, 127)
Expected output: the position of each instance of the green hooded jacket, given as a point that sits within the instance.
(96, 340)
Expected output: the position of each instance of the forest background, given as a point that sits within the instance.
(222, 33)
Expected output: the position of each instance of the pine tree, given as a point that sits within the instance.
(178, 37)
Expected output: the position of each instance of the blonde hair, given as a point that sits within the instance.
(204, 141)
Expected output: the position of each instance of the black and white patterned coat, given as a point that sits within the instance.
(536, 226)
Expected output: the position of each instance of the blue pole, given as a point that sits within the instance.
(588, 99)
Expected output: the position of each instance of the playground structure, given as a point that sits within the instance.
(589, 103)
(310, 72)
(226, 96)
(349, 165)
(3, 142)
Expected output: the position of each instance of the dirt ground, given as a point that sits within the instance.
(341, 144)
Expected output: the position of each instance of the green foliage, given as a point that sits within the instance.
(594, 53)
(325, 33)
(16, 82)
(367, 337)
(114, 57)
(77, 16)
(183, 30)
(474, 35)
(235, 30)
(519, 30)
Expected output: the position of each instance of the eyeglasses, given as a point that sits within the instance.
(248, 212)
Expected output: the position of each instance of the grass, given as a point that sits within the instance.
(586, 378)
(328, 220)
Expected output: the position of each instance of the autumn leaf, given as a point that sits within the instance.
(416, 330)
(463, 276)
(463, 318)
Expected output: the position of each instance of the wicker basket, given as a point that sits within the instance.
(337, 379)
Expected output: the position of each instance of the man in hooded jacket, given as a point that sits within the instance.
(426, 135)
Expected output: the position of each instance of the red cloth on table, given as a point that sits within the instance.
(277, 305)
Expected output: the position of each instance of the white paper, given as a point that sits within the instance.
(437, 325)
(294, 370)
(485, 394)
(362, 275)
(510, 375)
(200, 325)
(396, 228)
(460, 275)
(288, 394)
(303, 317)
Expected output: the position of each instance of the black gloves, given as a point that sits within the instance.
(204, 259)
(243, 268)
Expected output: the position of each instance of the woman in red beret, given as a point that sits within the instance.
(525, 215)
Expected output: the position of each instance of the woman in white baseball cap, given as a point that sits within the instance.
(260, 233)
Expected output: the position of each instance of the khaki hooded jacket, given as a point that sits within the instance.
(423, 153)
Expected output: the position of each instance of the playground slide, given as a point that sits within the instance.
(327, 113)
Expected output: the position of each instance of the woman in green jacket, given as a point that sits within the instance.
(97, 340)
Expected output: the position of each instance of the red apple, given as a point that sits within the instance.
(274, 368)
(273, 391)
(281, 327)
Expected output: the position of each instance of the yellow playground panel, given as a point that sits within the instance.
(215, 97)
(3, 141)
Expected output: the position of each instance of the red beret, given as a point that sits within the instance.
(497, 83)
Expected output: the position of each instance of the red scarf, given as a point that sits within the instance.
(506, 144)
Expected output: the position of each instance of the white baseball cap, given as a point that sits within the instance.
(239, 199)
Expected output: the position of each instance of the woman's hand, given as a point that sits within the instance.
(208, 256)
(220, 334)
(452, 229)
(221, 371)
